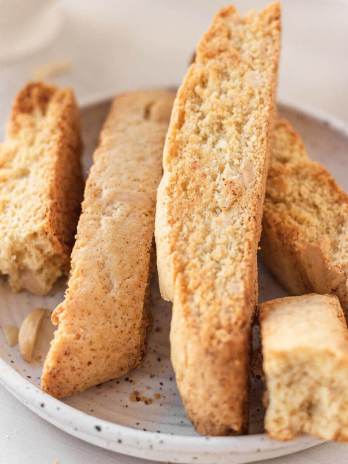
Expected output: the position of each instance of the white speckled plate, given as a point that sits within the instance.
(141, 414)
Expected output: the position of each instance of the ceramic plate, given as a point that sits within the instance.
(141, 414)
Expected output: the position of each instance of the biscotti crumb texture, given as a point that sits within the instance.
(305, 362)
(305, 223)
(209, 212)
(40, 187)
(102, 320)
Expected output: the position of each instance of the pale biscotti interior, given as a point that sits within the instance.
(305, 361)
(40, 187)
(209, 212)
(305, 223)
(102, 320)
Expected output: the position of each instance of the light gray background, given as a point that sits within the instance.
(115, 45)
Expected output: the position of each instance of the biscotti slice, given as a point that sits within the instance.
(209, 212)
(305, 222)
(305, 362)
(40, 187)
(102, 321)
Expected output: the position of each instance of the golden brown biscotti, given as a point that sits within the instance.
(209, 212)
(102, 321)
(305, 222)
(305, 362)
(40, 187)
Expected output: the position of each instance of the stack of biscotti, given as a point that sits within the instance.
(305, 361)
(305, 222)
(305, 338)
(40, 187)
(209, 212)
(103, 319)
(222, 138)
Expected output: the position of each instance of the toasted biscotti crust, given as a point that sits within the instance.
(305, 362)
(305, 223)
(209, 212)
(40, 187)
(102, 321)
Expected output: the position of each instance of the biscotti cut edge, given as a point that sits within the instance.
(305, 222)
(207, 357)
(41, 187)
(305, 362)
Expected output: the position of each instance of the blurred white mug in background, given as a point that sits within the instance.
(27, 26)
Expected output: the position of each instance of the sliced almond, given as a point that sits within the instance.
(11, 334)
(28, 333)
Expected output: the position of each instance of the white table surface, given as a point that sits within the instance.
(114, 45)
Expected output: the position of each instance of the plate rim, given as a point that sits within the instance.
(134, 442)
